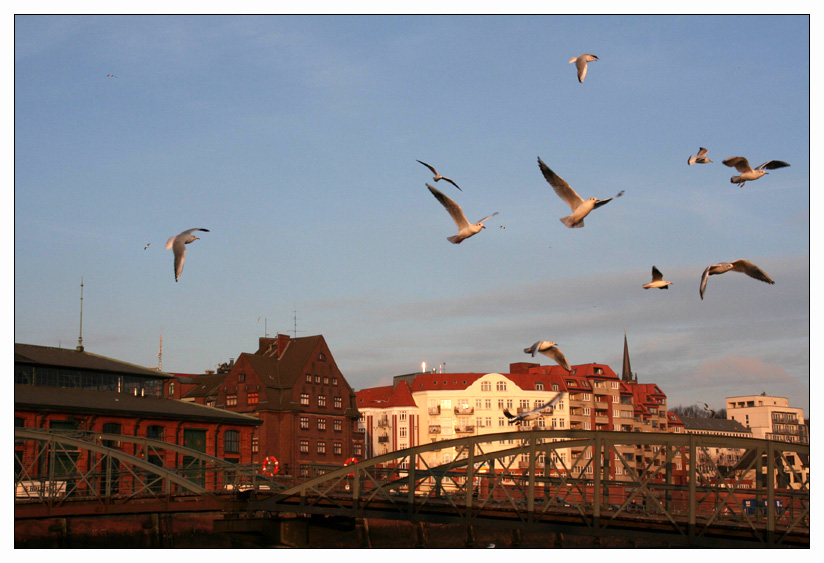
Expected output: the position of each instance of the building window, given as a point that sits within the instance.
(252, 398)
(402, 415)
(321, 357)
(486, 386)
(231, 400)
(321, 424)
(337, 448)
(358, 449)
(321, 400)
(338, 402)
(304, 446)
(321, 447)
(334, 382)
(241, 377)
(304, 398)
(304, 423)
(524, 404)
(154, 432)
(402, 432)
(539, 386)
(255, 443)
(171, 389)
(317, 379)
(325, 380)
(337, 425)
(500, 386)
(555, 387)
(231, 442)
(308, 378)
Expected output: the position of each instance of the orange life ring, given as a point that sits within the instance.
(350, 461)
(270, 466)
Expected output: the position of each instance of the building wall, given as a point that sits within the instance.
(769, 417)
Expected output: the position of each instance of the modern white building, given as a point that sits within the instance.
(769, 417)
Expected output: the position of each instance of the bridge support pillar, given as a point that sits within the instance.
(422, 540)
(516, 538)
(470, 536)
(362, 525)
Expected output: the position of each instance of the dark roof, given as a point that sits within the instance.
(205, 385)
(73, 359)
(707, 424)
(56, 399)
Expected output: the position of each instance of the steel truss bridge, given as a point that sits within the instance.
(682, 490)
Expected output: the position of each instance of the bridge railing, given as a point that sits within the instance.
(685, 485)
(52, 467)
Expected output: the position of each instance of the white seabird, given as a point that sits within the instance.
(550, 350)
(178, 244)
(581, 64)
(580, 208)
(657, 280)
(437, 176)
(743, 266)
(543, 410)
(709, 410)
(747, 173)
(700, 158)
(466, 229)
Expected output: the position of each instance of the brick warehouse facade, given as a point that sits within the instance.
(294, 387)
(74, 390)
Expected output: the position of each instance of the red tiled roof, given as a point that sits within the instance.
(386, 397)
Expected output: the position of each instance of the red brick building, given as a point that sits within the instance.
(293, 386)
(74, 390)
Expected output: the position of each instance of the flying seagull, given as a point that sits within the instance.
(147, 246)
(178, 243)
(743, 266)
(550, 350)
(543, 410)
(466, 229)
(657, 280)
(110, 76)
(747, 173)
(581, 64)
(580, 208)
(700, 158)
(437, 176)
(709, 410)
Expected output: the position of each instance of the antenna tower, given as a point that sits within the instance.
(160, 355)
(80, 337)
(295, 324)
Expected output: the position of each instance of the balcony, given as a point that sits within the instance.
(383, 439)
(464, 409)
(434, 428)
(435, 410)
(470, 429)
(383, 422)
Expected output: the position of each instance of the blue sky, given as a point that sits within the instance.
(295, 139)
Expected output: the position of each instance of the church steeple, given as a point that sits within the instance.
(626, 372)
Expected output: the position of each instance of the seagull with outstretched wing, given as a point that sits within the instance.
(549, 349)
(747, 173)
(743, 266)
(438, 177)
(580, 207)
(581, 64)
(178, 245)
(465, 228)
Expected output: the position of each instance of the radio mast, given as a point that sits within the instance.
(80, 337)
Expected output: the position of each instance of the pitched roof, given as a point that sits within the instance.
(74, 359)
(707, 424)
(51, 399)
(204, 385)
(386, 397)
